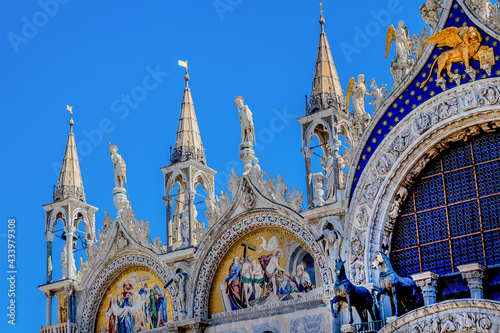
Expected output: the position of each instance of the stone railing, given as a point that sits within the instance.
(464, 315)
(60, 328)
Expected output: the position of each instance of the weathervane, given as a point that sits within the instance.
(70, 109)
(183, 64)
(321, 8)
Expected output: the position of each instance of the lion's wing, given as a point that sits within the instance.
(446, 37)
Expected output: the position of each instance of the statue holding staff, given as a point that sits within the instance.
(246, 121)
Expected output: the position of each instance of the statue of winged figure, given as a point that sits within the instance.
(358, 92)
(402, 39)
(464, 43)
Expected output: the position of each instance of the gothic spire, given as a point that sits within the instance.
(188, 143)
(70, 183)
(326, 90)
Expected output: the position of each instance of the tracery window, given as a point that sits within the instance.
(451, 216)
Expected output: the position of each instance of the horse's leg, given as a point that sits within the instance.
(348, 298)
(394, 301)
(361, 314)
(370, 311)
(332, 302)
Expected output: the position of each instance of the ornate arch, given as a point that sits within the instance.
(87, 220)
(205, 182)
(312, 128)
(97, 288)
(449, 116)
(53, 218)
(174, 179)
(238, 228)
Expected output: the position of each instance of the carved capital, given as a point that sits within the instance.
(49, 235)
(427, 281)
(307, 152)
(474, 275)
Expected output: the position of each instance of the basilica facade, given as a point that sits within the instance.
(399, 232)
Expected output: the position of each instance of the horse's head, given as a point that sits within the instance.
(379, 260)
(339, 267)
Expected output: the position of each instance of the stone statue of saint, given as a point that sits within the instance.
(119, 166)
(185, 224)
(358, 95)
(179, 278)
(328, 162)
(333, 244)
(281, 191)
(246, 121)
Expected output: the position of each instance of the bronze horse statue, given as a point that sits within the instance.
(404, 293)
(356, 296)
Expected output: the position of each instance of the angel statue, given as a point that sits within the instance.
(402, 39)
(119, 166)
(465, 44)
(379, 94)
(358, 92)
(246, 121)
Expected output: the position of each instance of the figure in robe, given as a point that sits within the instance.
(328, 165)
(304, 280)
(271, 264)
(110, 315)
(161, 306)
(119, 166)
(246, 121)
(125, 316)
(233, 287)
(152, 308)
(145, 306)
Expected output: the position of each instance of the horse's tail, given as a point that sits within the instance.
(430, 73)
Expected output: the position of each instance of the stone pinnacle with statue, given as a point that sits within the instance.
(120, 169)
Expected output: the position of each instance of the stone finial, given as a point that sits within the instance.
(474, 275)
(427, 281)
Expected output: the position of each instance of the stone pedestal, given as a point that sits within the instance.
(120, 199)
(474, 275)
(427, 281)
(247, 155)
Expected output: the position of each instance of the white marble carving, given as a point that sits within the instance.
(429, 11)
(318, 189)
(359, 95)
(379, 94)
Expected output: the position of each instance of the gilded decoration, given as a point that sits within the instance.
(135, 301)
(267, 266)
(485, 65)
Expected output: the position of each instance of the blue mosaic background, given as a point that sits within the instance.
(413, 96)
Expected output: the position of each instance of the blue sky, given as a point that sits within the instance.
(93, 54)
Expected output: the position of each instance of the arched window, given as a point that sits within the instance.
(451, 216)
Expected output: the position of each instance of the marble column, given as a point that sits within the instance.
(48, 298)
(168, 206)
(191, 195)
(427, 281)
(70, 231)
(474, 275)
(49, 236)
(309, 189)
